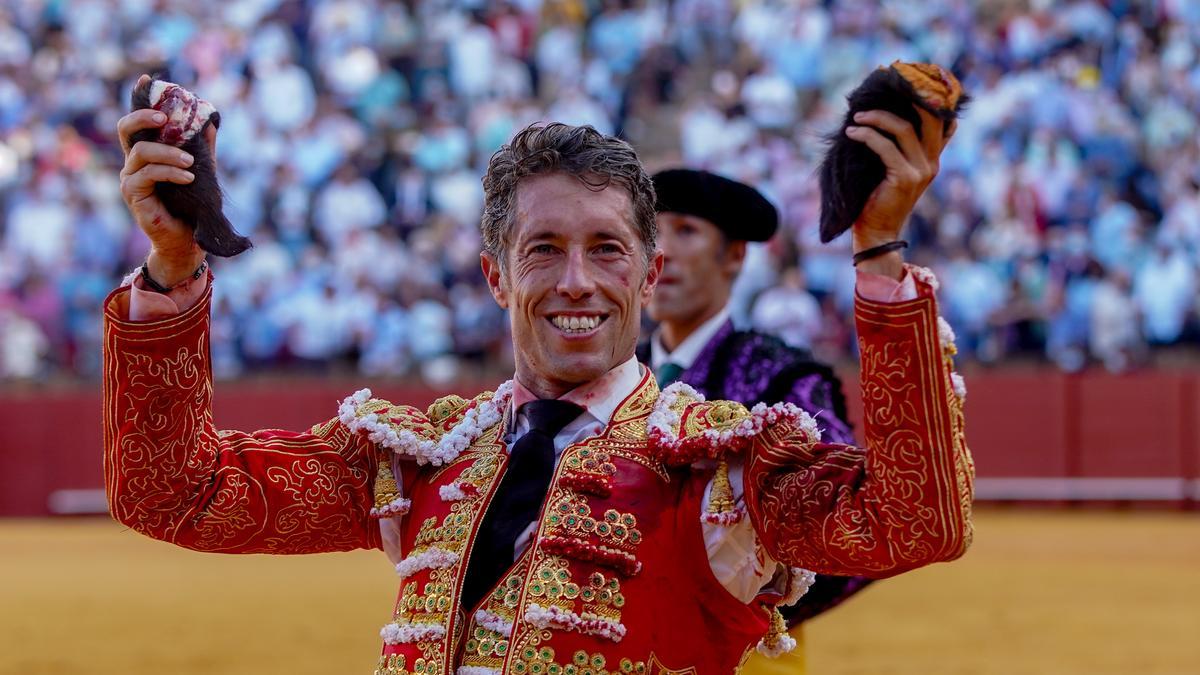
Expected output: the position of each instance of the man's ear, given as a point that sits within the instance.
(734, 256)
(653, 273)
(495, 278)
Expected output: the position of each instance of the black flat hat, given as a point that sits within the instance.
(737, 209)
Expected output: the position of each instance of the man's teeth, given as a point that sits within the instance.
(579, 324)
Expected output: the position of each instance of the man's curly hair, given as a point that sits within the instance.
(595, 159)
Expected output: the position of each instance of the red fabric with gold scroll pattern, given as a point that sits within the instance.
(171, 475)
(902, 502)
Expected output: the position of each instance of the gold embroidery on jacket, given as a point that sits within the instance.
(571, 515)
(485, 647)
(964, 468)
(552, 584)
(432, 596)
(451, 534)
(482, 470)
(710, 415)
(391, 664)
(533, 659)
(386, 489)
(446, 407)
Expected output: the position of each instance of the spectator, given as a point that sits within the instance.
(386, 343)
(1115, 338)
(1165, 290)
(788, 311)
(22, 346)
(348, 204)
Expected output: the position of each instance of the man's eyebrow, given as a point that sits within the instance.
(608, 234)
(544, 235)
(554, 235)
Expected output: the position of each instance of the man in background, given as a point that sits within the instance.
(704, 223)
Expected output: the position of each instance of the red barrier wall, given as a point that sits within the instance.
(1029, 430)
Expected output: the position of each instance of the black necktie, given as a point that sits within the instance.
(519, 497)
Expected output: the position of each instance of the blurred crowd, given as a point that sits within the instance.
(1065, 223)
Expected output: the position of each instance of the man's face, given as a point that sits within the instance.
(574, 282)
(698, 269)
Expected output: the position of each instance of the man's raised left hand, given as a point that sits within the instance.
(910, 163)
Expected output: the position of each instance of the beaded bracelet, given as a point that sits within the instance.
(876, 251)
(159, 288)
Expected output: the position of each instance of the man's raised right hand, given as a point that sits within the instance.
(174, 255)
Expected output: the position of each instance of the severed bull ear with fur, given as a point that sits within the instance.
(199, 202)
(851, 171)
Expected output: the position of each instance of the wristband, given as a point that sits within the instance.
(159, 288)
(882, 249)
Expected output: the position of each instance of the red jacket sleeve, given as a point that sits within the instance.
(905, 500)
(171, 475)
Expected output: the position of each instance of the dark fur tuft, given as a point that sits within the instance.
(200, 203)
(851, 171)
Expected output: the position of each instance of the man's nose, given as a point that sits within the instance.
(578, 278)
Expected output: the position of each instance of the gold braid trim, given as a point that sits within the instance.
(720, 498)
(777, 629)
(386, 490)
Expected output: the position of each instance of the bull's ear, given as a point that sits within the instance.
(210, 136)
(140, 96)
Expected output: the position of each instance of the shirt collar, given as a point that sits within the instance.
(599, 398)
(688, 350)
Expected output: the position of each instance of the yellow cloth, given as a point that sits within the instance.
(791, 663)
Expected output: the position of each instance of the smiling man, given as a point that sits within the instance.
(561, 524)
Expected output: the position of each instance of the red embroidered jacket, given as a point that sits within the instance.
(589, 595)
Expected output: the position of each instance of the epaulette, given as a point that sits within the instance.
(446, 409)
(406, 432)
(392, 429)
(402, 429)
(409, 433)
(684, 428)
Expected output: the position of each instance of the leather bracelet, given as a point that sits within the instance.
(159, 288)
(882, 249)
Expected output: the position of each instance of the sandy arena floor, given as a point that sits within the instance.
(1040, 592)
